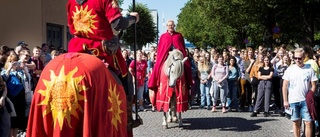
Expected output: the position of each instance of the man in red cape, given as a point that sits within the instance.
(168, 41)
(94, 24)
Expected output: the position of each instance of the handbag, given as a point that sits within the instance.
(254, 81)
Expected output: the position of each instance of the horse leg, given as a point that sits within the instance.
(174, 108)
(169, 118)
(164, 123)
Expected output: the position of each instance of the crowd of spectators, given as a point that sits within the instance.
(20, 71)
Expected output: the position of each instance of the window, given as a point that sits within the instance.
(54, 35)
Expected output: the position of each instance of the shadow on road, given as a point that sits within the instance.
(223, 123)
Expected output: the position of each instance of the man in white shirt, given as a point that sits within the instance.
(298, 80)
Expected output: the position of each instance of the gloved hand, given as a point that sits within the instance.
(111, 46)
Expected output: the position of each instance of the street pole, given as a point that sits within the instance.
(135, 59)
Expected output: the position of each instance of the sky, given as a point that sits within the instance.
(167, 9)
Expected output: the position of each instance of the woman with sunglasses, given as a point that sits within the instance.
(264, 88)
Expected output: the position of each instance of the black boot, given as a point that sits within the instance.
(254, 114)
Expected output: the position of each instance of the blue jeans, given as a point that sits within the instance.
(205, 93)
(300, 110)
(232, 96)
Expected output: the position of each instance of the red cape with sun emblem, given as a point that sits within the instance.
(90, 24)
(77, 96)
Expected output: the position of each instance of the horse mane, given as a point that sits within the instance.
(174, 56)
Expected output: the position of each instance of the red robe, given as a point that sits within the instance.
(77, 96)
(165, 42)
(90, 24)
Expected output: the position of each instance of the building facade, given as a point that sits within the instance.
(35, 22)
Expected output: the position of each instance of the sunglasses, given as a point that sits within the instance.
(296, 58)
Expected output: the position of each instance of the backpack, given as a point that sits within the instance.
(14, 85)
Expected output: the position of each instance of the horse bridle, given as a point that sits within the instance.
(170, 66)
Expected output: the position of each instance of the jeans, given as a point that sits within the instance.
(300, 110)
(232, 97)
(205, 93)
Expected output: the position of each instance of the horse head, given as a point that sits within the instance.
(174, 66)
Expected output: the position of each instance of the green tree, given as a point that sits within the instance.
(145, 29)
(227, 22)
(120, 2)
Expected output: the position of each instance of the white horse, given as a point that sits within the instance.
(173, 69)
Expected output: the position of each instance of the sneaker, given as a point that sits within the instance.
(254, 114)
(141, 108)
(208, 107)
(229, 109)
(213, 109)
(266, 114)
(238, 110)
(224, 110)
(200, 107)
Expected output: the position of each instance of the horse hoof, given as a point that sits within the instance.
(165, 126)
(175, 119)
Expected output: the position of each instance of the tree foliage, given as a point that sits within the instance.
(230, 22)
(146, 30)
(120, 2)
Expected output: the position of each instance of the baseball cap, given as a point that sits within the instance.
(22, 43)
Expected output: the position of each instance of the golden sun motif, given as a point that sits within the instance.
(62, 96)
(83, 21)
(115, 107)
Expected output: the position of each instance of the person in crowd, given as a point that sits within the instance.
(219, 73)
(61, 50)
(285, 63)
(213, 53)
(168, 41)
(226, 56)
(4, 110)
(234, 53)
(205, 82)
(20, 46)
(298, 80)
(254, 78)
(46, 51)
(265, 74)
(290, 53)
(4, 50)
(195, 79)
(145, 57)
(276, 62)
(256, 52)
(246, 88)
(54, 53)
(233, 84)
(151, 62)
(195, 89)
(309, 61)
(18, 71)
(139, 75)
(36, 58)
